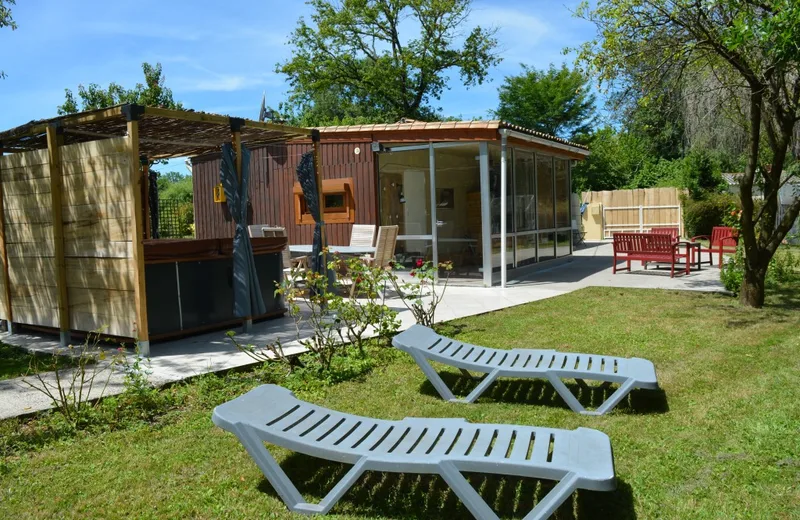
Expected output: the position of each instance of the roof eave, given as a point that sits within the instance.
(545, 142)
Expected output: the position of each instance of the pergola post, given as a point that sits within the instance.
(55, 138)
(236, 141)
(132, 113)
(4, 257)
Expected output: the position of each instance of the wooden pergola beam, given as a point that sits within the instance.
(223, 120)
(54, 141)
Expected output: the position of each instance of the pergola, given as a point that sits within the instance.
(57, 175)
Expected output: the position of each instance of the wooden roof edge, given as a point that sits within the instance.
(37, 127)
(40, 126)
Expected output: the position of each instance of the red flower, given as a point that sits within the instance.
(419, 262)
(733, 213)
(413, 273)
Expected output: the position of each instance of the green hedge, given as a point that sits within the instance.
(699, 216)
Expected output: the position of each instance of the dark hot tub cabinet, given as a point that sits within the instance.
(189, 283)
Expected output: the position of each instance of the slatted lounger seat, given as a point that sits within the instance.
(424, 344)
(579, 459)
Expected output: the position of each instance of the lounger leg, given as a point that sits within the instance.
(615, 398)
(565, 394)
(432, 376)
(464, 491)
(548, 505)
(481, 388)
(283, 485)
(479, 509)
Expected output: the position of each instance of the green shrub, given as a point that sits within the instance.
(699, 216)
(782, 269)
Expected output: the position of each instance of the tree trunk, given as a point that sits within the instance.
(752, 293)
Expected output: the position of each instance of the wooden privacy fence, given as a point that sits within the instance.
(637, 210)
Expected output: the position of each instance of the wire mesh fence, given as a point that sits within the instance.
(175, 219)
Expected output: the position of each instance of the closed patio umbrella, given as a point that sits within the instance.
(308, 182)
(247, 299)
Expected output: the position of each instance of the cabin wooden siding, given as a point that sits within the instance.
(273, 172)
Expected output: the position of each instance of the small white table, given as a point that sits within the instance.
(305, 249)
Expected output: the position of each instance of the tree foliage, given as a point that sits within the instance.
(360, 51)
(750, 46)
(556, 101)
(6, 20)
(152, 92)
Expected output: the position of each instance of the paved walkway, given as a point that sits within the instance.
(213, 352)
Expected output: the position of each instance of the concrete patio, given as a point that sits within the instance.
(212, 352)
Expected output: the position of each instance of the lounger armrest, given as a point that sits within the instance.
(704, 237)
(728, 238)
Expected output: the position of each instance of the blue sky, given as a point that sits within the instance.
(221, 57)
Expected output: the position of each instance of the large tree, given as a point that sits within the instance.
(556, 101)
(151, 93)
(366, 52)
(6, 20)
(750, 46)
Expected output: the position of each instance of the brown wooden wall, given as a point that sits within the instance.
(272, 177)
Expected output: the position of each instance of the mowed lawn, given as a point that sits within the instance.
(721, 441)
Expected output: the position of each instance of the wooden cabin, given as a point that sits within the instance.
(441, 183)
(75, 243)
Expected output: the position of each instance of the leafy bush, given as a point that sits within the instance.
(423, 296)
(782, 269)
(333, 321)
(699, 216)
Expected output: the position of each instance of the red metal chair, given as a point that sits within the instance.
(722, 240)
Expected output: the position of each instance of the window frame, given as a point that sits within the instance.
(338, 214)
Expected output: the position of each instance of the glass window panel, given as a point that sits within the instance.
(562, 244)
(544, 192)
(458, 209)
(496, 253)
(526, 250)
(562, 193)
(524, 191)
(547, 246)
(405, 198)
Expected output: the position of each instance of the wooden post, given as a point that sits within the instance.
(55, 139)
(4, 256)
(148, 232)
(137, 230)
(236, 141)
(315, 140)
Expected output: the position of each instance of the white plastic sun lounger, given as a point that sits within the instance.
(579, 459)
(425, 345)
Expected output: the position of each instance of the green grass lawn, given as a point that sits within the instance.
(721, 441)
(15, 361)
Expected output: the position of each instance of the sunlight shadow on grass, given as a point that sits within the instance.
(406, 495)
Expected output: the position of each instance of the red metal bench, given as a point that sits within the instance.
(671, 231)
(649, 247)
(722, 240)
